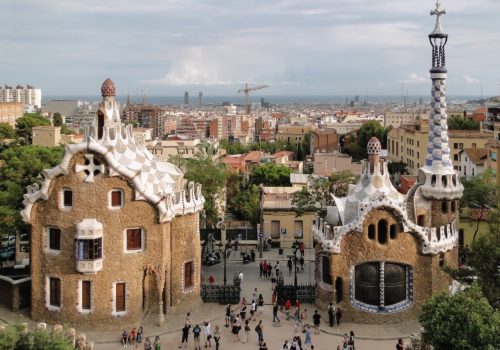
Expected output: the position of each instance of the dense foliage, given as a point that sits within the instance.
(6, 131)
(458, 122)
(318, 195)
(270, 175)
(27, 122)
(13, 338)
(464, 321)
(21, 167)
(356, 146)
(485, 258)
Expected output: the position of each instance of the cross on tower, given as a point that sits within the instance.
(438, 12)
(90, 168)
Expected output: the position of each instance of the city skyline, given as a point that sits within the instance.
(315, 48)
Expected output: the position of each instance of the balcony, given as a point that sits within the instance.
(89, 266)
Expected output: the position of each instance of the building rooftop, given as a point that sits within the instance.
(476, 155)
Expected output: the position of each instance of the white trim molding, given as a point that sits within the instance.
(47, 294)
(122, 199)
(193, 287)
(143, 241)
(113, 299)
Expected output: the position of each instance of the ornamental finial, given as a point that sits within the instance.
(438, 12)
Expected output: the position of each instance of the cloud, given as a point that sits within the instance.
(414, 78)
(470, 80)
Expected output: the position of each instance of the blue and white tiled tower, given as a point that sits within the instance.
(437, 178)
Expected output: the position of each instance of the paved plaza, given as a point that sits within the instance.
(372, 337)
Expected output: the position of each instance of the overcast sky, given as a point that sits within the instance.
(298, 47)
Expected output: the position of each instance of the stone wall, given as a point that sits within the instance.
(357, 248)
(90, 200)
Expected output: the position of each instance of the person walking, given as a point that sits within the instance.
(269, 270)
(240, 276)
(185, 335)
(338, 316)
(297, 309)
(277, 267)
(351, 340)
(273, 280)
(288, 306)
(247, 331)
(207, 331)
(331, 315)
(196, 336)
(243, 309)
(236, 328)
(211, 279)
(303, 319)
(216, 337)
(275, 313)
(301, 261)
(400, 345)
(289, 264)
(253, 309)
(316, 321)
(261, 269)
(157, 343)
(308, 340)
(264, 267)
(260, 332)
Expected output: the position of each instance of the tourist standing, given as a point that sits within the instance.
(228, 315)
(236, 328)
(400, 345)
(261, 304)
(277, 268)
(247, 331)
(331, 315)
(207, 331)
(217, 337)
(243, 309)
(351, 340)
(289, 265)
(316, 321)
(301, 261)
(338, 315)
(240, 276)
(196, 336)
(147, 344)
(288, 306)
(211, 279)
(261, 269)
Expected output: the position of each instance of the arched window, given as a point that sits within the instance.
(444, 180)
(453, 206)
(339, 290)
(382, 232)
(421, 220)
(444, 207)
(326, 276)
(392, 231)
(433, 180)
(371, 231)
(100, 124)
(382, 286)
(441, 259)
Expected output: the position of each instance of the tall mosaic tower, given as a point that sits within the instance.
(439, 181)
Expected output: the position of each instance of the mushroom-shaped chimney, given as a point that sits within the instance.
(108, 88)
(374, 147)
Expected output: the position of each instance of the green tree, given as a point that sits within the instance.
(356, 147)
(13, 338)
(464, 321)
(300, 152)
(485, 258)
(458, 122)
(479, 194)
(27, 122)
(22, 167)
(340, 182)
(57, 119)
(270, 175)
(245, 205)
(6, 131)
(211, 175)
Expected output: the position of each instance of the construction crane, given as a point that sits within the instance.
(246, 90)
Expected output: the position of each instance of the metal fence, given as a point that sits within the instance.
(229, 294)
(306, 293)
(246, 234)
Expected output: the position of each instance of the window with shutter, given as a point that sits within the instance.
(55, 291)
(54, 238)
(116, 199)
(120, 297)
(134, 239)
(67, 198)
(188, 275)
(86, 292)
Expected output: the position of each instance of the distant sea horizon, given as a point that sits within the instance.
(272, 99)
